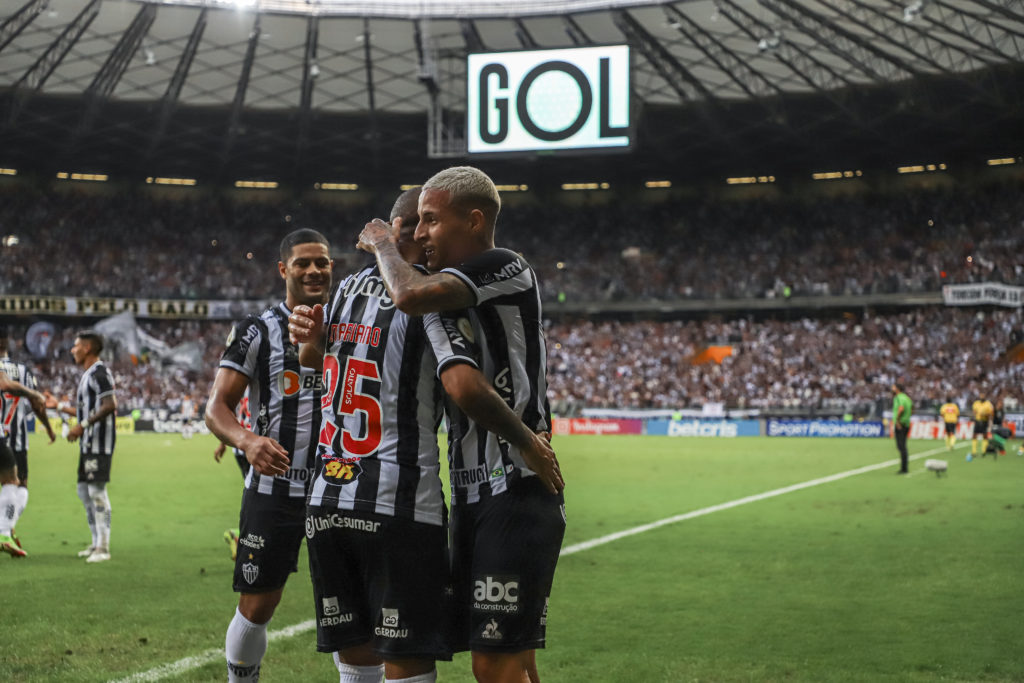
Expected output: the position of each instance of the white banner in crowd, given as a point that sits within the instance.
(201, 309)
(981, 293)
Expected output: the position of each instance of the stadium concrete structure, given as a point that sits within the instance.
(311, 91)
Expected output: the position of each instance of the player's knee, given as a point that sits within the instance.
(259, 607)
(98, 496)
(498, 667)
(83, 493)
(359, 655)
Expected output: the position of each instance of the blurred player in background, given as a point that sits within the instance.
(982, 409)
(13, 497)
(902, 407)
(950, 413)
(281, 447)
(14, 414)
(96, 411)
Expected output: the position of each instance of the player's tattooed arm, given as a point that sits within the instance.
(475, 396)
(414, 292)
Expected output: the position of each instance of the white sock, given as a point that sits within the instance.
(349, 673)
(22, 500)
(244, 647)
(422, 678)
(8, 508)
(101, 505)
(90, 511)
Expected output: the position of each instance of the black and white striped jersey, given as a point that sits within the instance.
(97, 383)
(14, 410)
(284, 397)
(502, 336)
(382, 406)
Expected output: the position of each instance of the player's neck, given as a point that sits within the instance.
(89, 361)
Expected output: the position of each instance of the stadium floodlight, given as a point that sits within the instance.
(652, 184)
(158, 180)
(10, 241)
(257, 184)
(1006, 161)
(585, 186)
(912, 11)
(337, 187)
(90, 177)
(512, 188)
(8, 171)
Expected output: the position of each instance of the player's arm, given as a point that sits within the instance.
(108, 406)
(44, 419)
(306, 328)
(266, 455)
(15, 388)
(414, 292)
(473, 394)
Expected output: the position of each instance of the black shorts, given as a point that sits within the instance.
(270, 530)
(981, 428)
(504, 552)
(94, 468)
(381, 580)
(951, 428)
(7, 459)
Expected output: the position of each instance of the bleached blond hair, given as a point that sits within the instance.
(468, 188)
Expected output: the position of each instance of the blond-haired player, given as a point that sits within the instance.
(950, 413)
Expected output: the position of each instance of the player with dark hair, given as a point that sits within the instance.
(950, 413)
(508, 515)
(12, 497)
(902, 407)
(14, 412)
(96, 411)
(285, 404)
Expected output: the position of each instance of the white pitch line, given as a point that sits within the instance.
(593, 543)
(207, 656)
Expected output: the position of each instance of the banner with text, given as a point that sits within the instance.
(705, 427)
(824, 428)
(201, 309)
(564, 426)
(981, 293)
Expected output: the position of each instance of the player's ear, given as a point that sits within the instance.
(283, 269)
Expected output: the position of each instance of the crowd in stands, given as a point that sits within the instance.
(823, 363)
(220, 247)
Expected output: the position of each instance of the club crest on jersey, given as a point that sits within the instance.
(291, 383)
(341, 471)
(250, 571)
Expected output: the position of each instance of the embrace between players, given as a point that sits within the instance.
(442, 323)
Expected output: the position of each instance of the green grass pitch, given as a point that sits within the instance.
(870, 578)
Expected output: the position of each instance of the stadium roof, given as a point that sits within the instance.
(297, 89)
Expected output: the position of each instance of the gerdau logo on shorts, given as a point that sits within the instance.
(496, 594)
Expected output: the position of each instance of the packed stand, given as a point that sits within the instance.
(811, 363)
(217, 247)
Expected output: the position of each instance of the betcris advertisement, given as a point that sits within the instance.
(829, 428)
(704, 427)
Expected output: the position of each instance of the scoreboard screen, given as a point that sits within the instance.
(548, 100)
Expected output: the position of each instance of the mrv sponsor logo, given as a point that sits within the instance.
(496, 594)
(335, 521)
